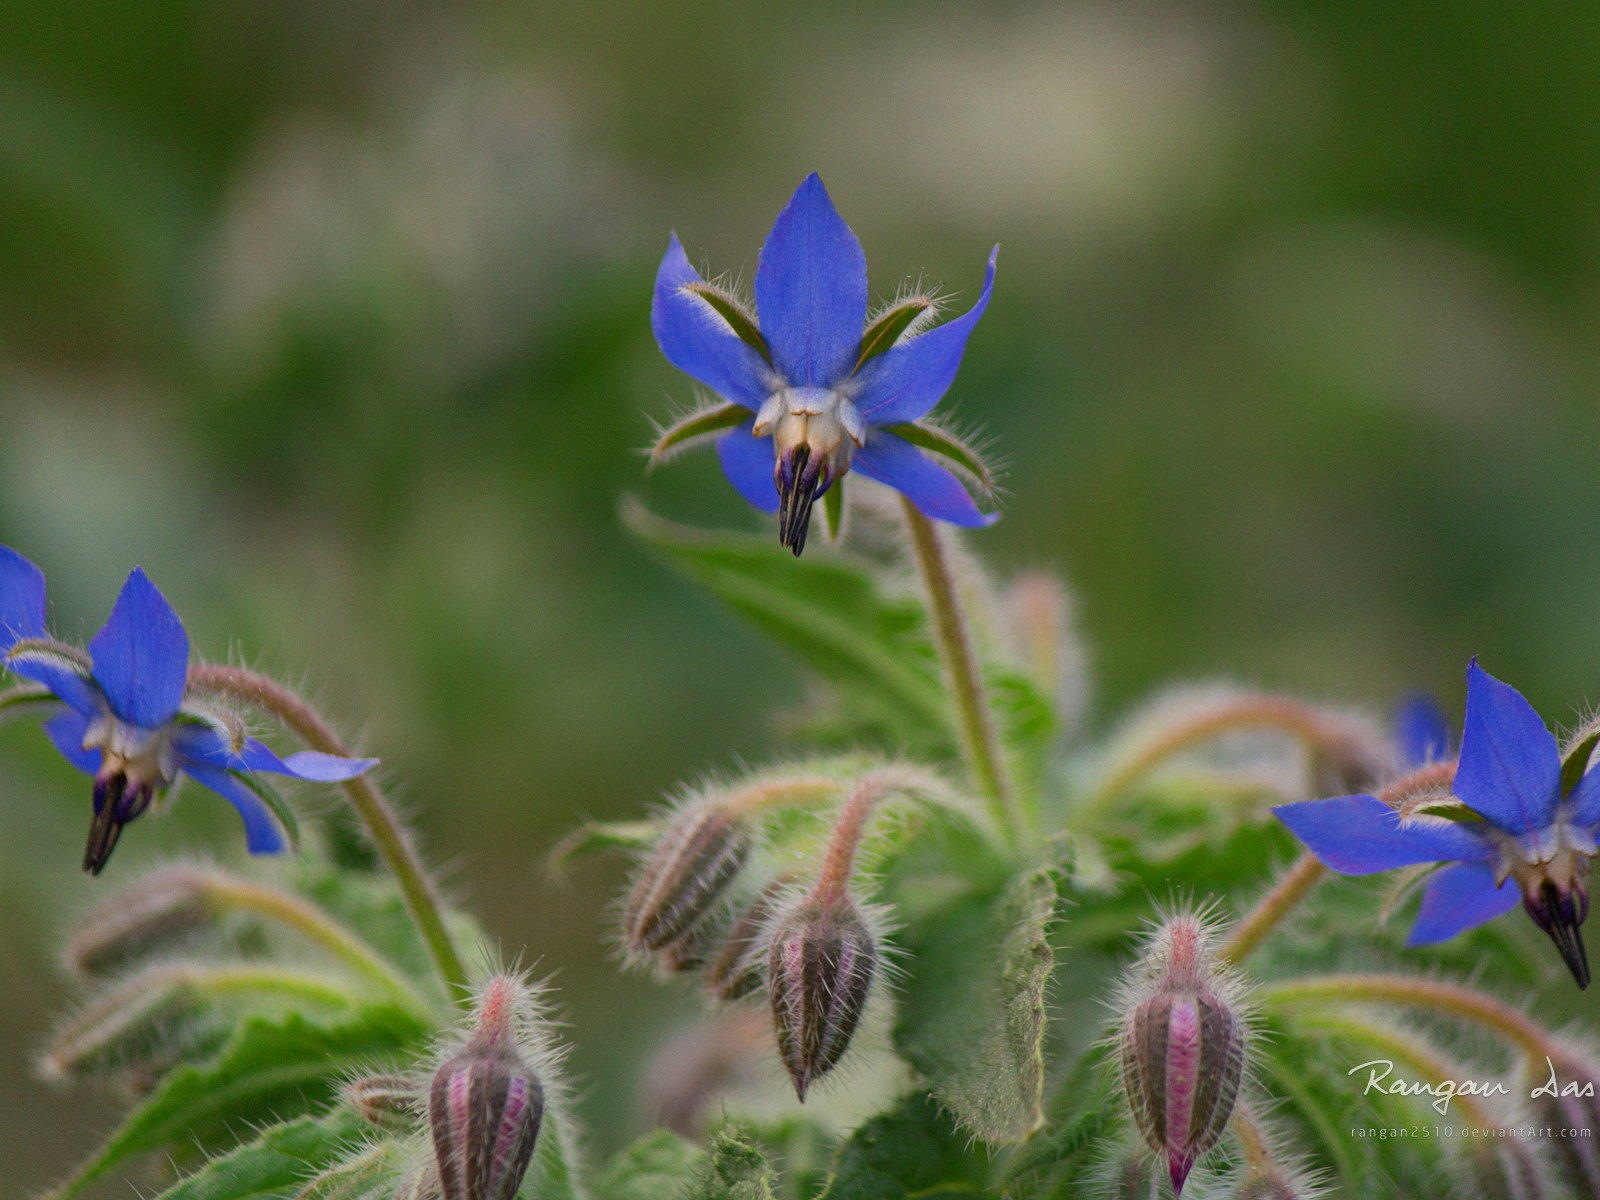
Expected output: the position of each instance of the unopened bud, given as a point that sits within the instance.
(164, 906)
(735, 970)
(1564, 1098)
(821, 961)
(387, 1101)
(485, 1105)
(144, 1022)
(699, 854)
(1182, 1046)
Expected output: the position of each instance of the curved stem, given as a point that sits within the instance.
(383, 824)
(980, 741)
(1306, 873)
(1451, 999)
(315, 926)
(839, 857)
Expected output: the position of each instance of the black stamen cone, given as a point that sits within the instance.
(114, 806)
(798, 490)
(1560, 913)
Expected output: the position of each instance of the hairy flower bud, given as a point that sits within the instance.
(1182, 1046)
(387, 1101)
(163, 906)
(735, 970)
(679, 883)
(485, 1106)
(144, 1022)
(1563, 1092)
(821, 960)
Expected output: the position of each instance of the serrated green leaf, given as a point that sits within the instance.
(734, 1169)
(831, 612)
(271, 1068)
(696, 425)
(914, 1149)
(660, 1164)
(972, 1007)
(275, 1166)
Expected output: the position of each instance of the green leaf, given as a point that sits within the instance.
(912, 1150)
(275, 1166)
(698, 424)
(657, 1165)
(891, 326)
(833, 511)
(371, 1173)
(829, 611)
(972, 1010)
(271, 1068)
(555, 1173)
(735, 1169)
(731, 311)
(958, 452)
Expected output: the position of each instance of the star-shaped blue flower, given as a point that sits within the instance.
(128, 719)
(812, 392)
(1521, 829)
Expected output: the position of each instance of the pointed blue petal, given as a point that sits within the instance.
(904, 383)
(1360, 835)
(747, 461)
(935, 491)
(203, 748)
(22, 610)
(1460, 898)
(63, 677)
(66, 730)
(1421, 731)
(262, 833)
(141, 657)
(1585, 800)
(698, 341)
(811, 290)
(1510, 770)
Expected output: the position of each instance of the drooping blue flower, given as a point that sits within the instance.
(1521, 829)
(128, 719)
(812, 391)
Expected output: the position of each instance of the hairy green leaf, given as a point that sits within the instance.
(912, 1150)
(275, 1166)
(271, 1068)
(660, 1164)
(735, 1169)
(26, 701)
(972, 1010)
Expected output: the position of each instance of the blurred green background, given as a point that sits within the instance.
(334, 316)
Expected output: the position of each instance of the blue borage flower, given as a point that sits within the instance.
(1520, 826)
(813, 391)
(129, 718)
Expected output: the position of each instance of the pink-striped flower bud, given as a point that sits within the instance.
(679, 883)
(735, 970)
(1563, 1090)
(821, 960)
(1182, 1045)
(387, 1101)
(485, 1105)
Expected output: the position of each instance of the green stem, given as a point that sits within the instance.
(313, 925)
(1451, 999)
(980, 742)
(383, 824)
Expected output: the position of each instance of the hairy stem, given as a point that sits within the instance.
(838, 859)
(383, 824)
(980, 741)
(1451, 999)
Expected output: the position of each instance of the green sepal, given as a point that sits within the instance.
(888, 329)
(55, 654)
(1575, 759)
(702, 423)
(25, 701)
(282, 811)
(734, 313)
(833, 510)
(593, 837)
(958, 452)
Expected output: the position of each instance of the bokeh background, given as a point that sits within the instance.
(334, 316)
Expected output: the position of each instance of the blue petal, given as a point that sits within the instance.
(1585, 800)
(67, 730)
(811, 290)
(262, 833)
(141, 657)
(22, 610)
(202, 747)
(1459, 898)
(906, 381)
(1359, 835)
(1510, 770)
(1421, 731)
(934, 490)
(71, 686)
(698, 341)
(747, 461)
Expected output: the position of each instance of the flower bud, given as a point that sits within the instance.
(821, 959)
(387, 1101)
(699, 854)
(145, 1022)
(164, 906)
(1182, 1046)
(735, 970)
(1563, 1095)
(485, 1106)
